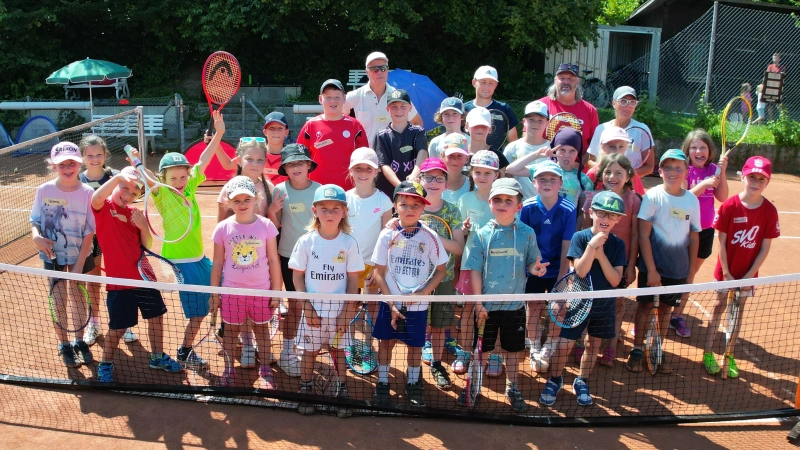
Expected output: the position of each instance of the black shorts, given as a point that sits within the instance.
(668, 299)
(124, 304)
(706, 243)
(599, 323)
(537, 285)
(88, 266)
(511, 326)
(287, 274)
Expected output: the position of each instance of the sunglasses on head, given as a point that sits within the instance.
(259, 140)
(376, 69)
(568, 67)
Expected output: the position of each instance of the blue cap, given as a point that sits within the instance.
(454, 103)
(547, 167)
(672, 153)
(276, 116)
(330, 192)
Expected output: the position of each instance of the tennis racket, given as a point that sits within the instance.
(167, 210)
(274, 323)
(561, 120)
(326, 376)
(569, 313)
(156, 268)
(640, 147)
(413, 256)
(731, 320)
(70, 306)
(497, 137)
(475, 372)
(736, 118)
(221, 78)
(438, 225)
(653, 349)
(361, 356)
(208, 360)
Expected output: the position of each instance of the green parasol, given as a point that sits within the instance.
(87, 70)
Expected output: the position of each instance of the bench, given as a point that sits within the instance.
(120, 85)
(128, 126)
(357, 78)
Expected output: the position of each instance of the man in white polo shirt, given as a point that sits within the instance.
(368, 103)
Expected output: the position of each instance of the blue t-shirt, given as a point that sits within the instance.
(551, 227)
(507, 110)
(614, 249)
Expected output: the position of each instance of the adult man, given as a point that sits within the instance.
(566, 95)
(485, 81)
(773, 109)
(368, 103)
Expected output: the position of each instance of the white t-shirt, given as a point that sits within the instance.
(365, 216)
(595, 147)
(326, 263)
(518, 149)
(295, 215)
(436, 146)
(371, 110)
(64, 218)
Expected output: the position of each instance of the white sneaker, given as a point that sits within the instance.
(91, 333)
(129, 336)
(534, 357)
(289, 362)
(543, 362)
(283, 309)
(248, 359)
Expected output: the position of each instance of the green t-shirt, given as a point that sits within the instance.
(450, 214)
(190, 248)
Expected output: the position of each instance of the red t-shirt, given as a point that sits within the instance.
(583, 110)
(331, 142)
(746, 230)
(119, 239)
(271, 169)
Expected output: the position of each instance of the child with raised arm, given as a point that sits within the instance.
(326, 260)
(744, 246)
(532, 142)
(122, 231)
(401, 146)
(496, 258)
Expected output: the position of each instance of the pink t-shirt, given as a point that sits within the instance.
(246, 264)
(622, 229)
(695, 176)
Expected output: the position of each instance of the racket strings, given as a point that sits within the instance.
(207, 362)
(438, 225)
(70, 305)
(168, 213)
(641, 143)
(157, 270)
(221, 77)
(412, 258)
(560, 121)
(326, 378)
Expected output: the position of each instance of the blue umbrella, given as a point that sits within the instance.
(425, 95)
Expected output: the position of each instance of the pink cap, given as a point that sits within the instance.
(64, 151)
(433, 164)
(614, 134)
(364, 155)
(757, 164)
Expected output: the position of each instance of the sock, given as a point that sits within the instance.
(413, 374)
(185, 350)
(447, 333)
(94, 320)
(427, 337)
(383, 373)
(510, 385)
(437, 364)
(557, 380)
(288, 346)
(247, 338)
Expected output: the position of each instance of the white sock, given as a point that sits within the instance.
(413, 374)
(288, 346)
(247, 338)
(536, 345)
(383, 374)
(94, 320)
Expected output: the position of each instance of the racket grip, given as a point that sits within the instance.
(134, 160)
(211, 130)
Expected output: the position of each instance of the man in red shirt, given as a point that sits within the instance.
(332, 137)
(773, 109)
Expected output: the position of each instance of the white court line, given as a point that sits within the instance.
(750, 355)
(708, 314)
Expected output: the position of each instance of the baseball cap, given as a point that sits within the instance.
(375, 55)
(622, 91)
(173, 159)
(330, 192)
(454, 103)
(608, 201)
(240, 184)
(133, 173)
(64, 151)
(398, 95)
(508, 186)
(757, 164)
(412, 190)
(484, 72)
(331, 83)
(433, 164)
(614, 134)
(295, 152)
(485, 158)
(567, 67)
(672, 153)
(479, 116)
(455, 143)
(364, 155)
(536, 107)
(547, 167)
(276, 116)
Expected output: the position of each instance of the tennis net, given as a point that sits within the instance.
(765, 352)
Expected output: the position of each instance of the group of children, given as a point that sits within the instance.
(276, 227)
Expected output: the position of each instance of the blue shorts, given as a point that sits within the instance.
(195, 304)
(414, 334)
(599, 323)
(123, 306)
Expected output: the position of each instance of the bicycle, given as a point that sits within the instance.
(594, 90)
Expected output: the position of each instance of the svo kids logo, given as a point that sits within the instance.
(745, 238)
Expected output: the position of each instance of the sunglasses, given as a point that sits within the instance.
(568, 67)
(259, 140)
(626, 102)
(377, 69)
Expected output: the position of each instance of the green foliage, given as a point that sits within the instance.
(69, 119)
(616, 12)
(785, 130)
(707, 118)
(663, 124)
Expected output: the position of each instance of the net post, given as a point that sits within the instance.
(142, 142)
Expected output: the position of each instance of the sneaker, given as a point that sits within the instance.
(267, 380)
(710, 363)
(578, 354)
(548, 396)
(129, 336)
(733, 371)
(105, 373)
(190, 359)
(664, 367)
(427, 353)
(679, 325)
(544, 358)
(344, 411)
(528, 343)
(495, 366)
(451, 345)
(283, 309)
(414, 394)
(515, 399)
(634, 363)
(81, 348)
(68, 356)
(306, 408)
(382, 394)
(228, 378)
(165, 363)
(461, 363)
(441, 377)
(289, 362)
(91, 333)
(248, 358)
(534, 360)
(609, 355)
(582, 392)
(462, 398)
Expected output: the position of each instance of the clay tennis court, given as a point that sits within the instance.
(33, 417)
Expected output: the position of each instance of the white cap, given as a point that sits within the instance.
(479, 116)
(484, 72)
(240, 185)
(364, 155)
(375, 55)
(536, 107)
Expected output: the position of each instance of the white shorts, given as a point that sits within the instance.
(311, 339)
(746, 292)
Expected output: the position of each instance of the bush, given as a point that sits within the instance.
(785, 130)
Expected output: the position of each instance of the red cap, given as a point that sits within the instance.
(757, 164)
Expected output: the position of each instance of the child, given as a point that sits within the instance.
(479, 125)
(401, 146)
(613, 141)
(276, 130)
(246, 233)
(456, 158)
(326, 260)
(451, 116)
(706, 186)
(535, 123)
(61, 208)
(553, 219)
(761, 107)
(598, 253)
(409, 201)
(496, 258)
(291, 214)
(745, 92)
(122, 231)
(744, 246)
(441, 315)
(669, 223)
